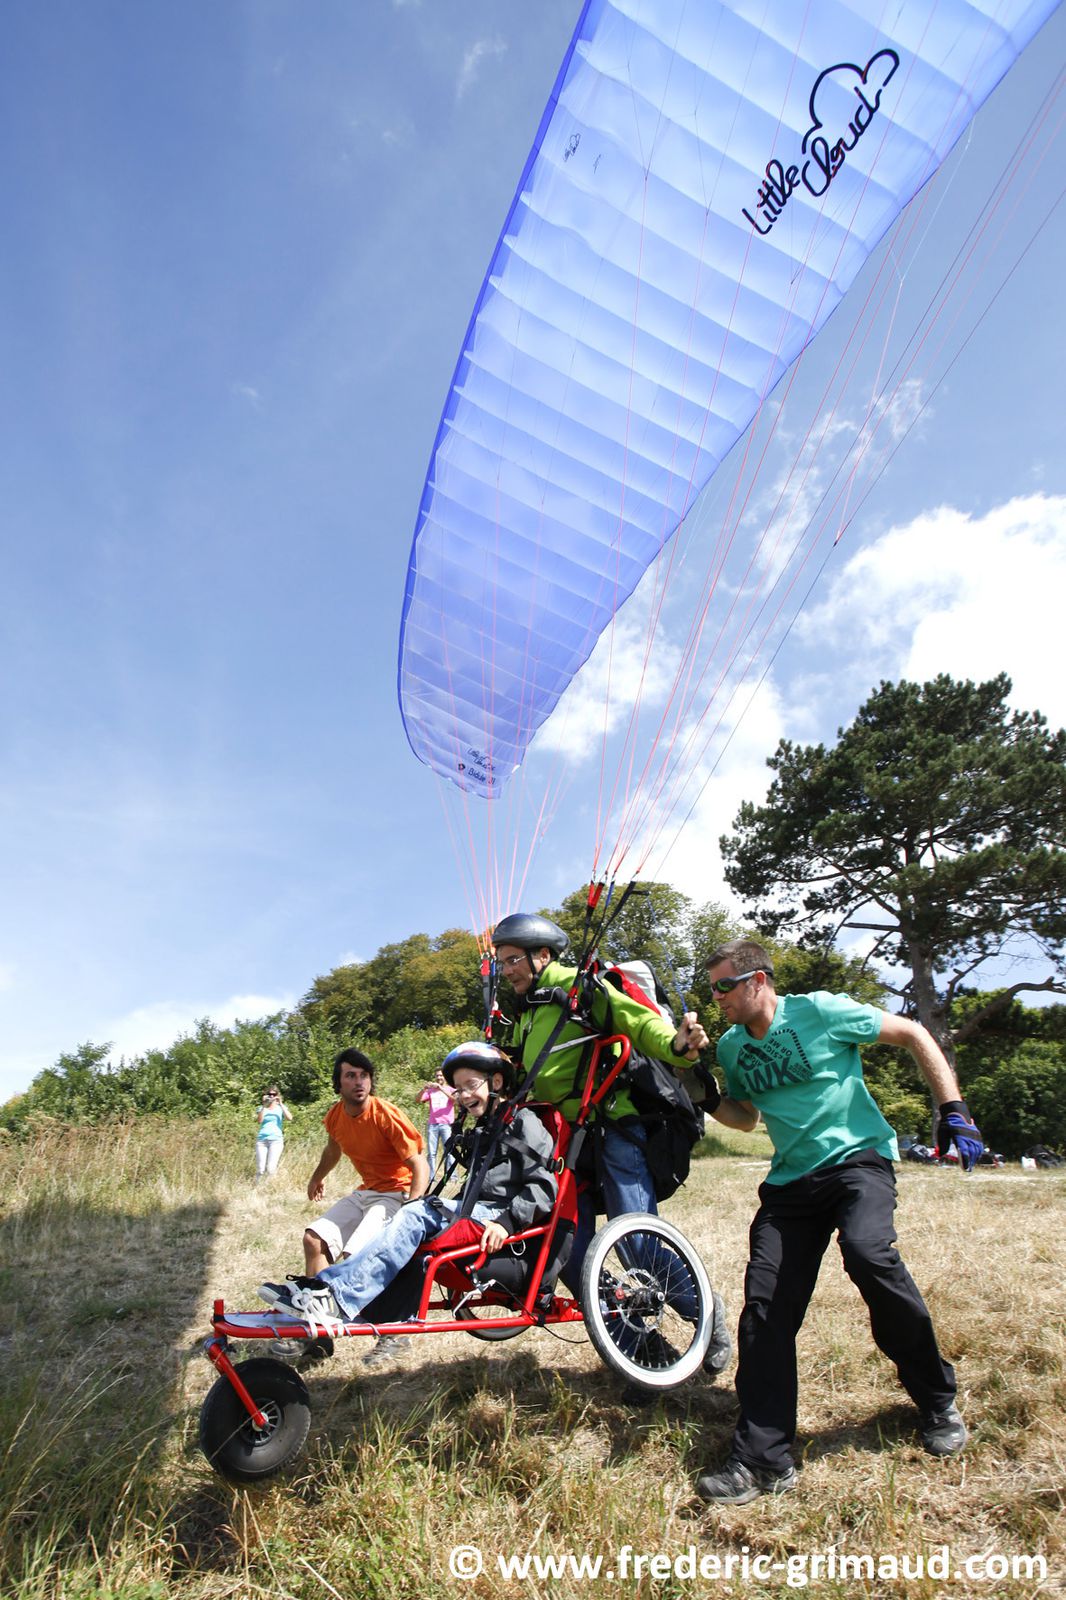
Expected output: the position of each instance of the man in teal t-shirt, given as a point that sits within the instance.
(805, 1076)
(794, 1061)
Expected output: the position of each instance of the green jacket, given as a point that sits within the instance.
(615, 1012)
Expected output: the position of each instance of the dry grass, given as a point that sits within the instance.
(114, 1246)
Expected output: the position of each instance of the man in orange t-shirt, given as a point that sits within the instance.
(384, 1147)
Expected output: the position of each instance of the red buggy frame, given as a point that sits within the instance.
(645, 1298)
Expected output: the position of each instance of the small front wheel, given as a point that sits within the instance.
(230, 1439)
(647, 1301)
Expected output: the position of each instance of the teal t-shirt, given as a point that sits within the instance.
(805, 1079)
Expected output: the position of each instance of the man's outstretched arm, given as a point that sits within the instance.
(928, 1056)
(954, 1123)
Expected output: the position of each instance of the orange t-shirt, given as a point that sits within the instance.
(376, 1143)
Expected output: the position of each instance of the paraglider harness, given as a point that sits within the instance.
(506, 1270)
(664, 1108)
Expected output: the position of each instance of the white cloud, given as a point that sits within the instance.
(366, 127)
(157, 1026)
(616, 667)
(822, 476)
(790, 497)
(473, 56)
(739, 773)
(902, 409)
(710, 747)
(968, 595)
(971, 596)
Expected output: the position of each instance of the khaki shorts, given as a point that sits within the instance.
(354, 1221)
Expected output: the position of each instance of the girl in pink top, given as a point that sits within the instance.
(440, 1099)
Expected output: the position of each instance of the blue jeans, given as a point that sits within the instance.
(436, 1134)
(360, 1279)
(627, 1186)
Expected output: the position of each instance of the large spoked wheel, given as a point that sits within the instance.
(482, 1318)
(647, 1301)
(230, 1439)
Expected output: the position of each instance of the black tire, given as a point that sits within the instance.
(481, 1318)
(633, 1271)
(230, 1439)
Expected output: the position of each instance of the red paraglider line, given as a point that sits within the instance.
(895, 445)
(668, 761)
(710, 584)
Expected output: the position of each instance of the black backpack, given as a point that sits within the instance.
(672, 1124)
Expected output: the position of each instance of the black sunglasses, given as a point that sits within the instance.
(727, 985)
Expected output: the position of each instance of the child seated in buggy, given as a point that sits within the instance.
(510, 1186)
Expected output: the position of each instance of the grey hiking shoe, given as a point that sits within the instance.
(387, 1348)
(286, 1349)
(276, 1294)
(301, 1352)
(943, 1432)
(736, 1484)
(720, 1349)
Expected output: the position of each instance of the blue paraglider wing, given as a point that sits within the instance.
(706, 182)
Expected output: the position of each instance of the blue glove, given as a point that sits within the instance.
(956, 1126)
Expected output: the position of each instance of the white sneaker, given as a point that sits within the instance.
(317, 1308)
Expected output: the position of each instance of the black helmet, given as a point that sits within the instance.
(479, 1056)
(529, 932)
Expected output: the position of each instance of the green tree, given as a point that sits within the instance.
(409, 1059)
(655, 925)
(986, 1034)
(341, 1002)
(209, 1070)
(936, 821)
(712, 925)
(1023, 1101)
(1013, 1062)
(440, 985)
(77, 1089)
(418, 982)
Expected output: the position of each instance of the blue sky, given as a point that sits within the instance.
(242, 243)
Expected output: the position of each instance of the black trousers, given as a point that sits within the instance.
(789, 1235)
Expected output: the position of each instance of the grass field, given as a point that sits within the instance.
(115, 1243)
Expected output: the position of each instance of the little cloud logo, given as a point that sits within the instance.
(829, 139)
(479, 768)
